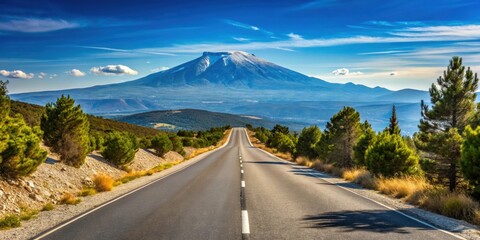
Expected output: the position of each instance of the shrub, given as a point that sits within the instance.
(27, 213)
(404, 187)
(307, 140)
(66, 130)
(20, 153)
(9, 221)
(70, 199)
(389, 156)
(470, 160)
(452, 204)
(360, 176)
(120, 148)
(87, 192)
(48, 207)
(103, 182)
(177, 144)
(145, 143)
(162, 144)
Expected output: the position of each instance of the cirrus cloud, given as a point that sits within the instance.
(76, 73)
(113, 70)
(35, 25)
(16, 74)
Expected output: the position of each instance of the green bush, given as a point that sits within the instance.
(307, 140)
(177, 144)
(162, 144)
(9, 221)
(120, 148)
(470, 161)
(21, 154)
(389, 156)
(66, 130)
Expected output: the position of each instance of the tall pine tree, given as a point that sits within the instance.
(66, 130)
(394, 128)
(342, 131)
(453, 106)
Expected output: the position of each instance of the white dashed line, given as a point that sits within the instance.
(245, 224)
(241, 171)
(243, 183)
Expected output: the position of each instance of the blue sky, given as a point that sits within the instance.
(49, 45)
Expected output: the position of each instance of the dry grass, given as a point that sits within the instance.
(452, 204)
(103, 182)
(130, 176)
(48, 207)
(199, 151)
(70, 199)
(303, 161)
(360, 176)
(87, 192)
(27, 213)
(404, 187)
(9, 221)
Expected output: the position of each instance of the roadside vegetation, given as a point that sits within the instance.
(438, 169)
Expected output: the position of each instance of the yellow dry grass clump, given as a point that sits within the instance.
(70, 199)
(103, 182)
(360, 176)
(403, 187)
(452, 204)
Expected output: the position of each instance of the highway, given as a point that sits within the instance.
(239, 191)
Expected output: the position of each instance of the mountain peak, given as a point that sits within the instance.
(226, 53)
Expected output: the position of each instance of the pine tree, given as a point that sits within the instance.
(453, 106)
(389, 156)
(343, 132)
(4, 101)
(20, 152)
(394, 128)
(363, 143)
(66, 130)
(307, 140)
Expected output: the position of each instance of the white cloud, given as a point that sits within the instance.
(159, 69)
(294, 36)
(462, 31)
(16, 74)
(254, 28)
(53, 76)
(246, 26)
(240, 39)
(33, 25)
(401, 35)
(76, 73)
(113, 70)
(41, 75)
(340, 71)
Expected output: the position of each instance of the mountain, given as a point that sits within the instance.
(232, 82)
(194, 119)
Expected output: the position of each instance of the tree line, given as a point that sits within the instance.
(446, 149)
(65, 128)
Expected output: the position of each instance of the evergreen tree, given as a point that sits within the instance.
(281, 129)
(394, 128)
(470, 161)
(162, 144)
(176, 143)
(20, 152)
(66, 130)
(307, 140)
(343, 132)
(453, 106)
(363, 143)
(120, 148)
(389, 156)
(4, 101)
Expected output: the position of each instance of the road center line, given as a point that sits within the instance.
(243, 184)
(245, 223)
(241, 171)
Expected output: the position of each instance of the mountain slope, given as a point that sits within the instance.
(192, 119)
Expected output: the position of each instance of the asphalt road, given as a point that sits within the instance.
(280, 201)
